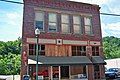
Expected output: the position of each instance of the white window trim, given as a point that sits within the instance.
(65, 23)
(80, 26)
(43, 30)
(91, 26)
(53, 22)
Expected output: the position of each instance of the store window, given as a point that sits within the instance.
(78, 50)
(32, 49)
(78, 72)
(95, 50)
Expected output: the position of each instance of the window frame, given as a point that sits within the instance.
(95, 52)
(53, 22)
(43, 12)
(90, 26)
(68, 24)
(79, 51)
(34, 50)
(80, 22)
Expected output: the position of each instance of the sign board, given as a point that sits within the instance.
(40, 77)
(26, 77)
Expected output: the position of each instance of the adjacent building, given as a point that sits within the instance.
(70, 42)
(112, 63)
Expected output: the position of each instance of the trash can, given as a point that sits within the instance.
(26, 77)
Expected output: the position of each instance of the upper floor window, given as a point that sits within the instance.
(32, 49)
(52, 22)
(88, 25)
(39, 20)
(95, 50)
(77, 24)
(78, 50)
(65, 23)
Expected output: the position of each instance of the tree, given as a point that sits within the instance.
(111, 47)
(10, 47)
(10, 64)
(10, 60)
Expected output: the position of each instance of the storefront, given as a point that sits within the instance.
(59, 68)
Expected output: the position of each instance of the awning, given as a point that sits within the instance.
(98, 60)
(74, 60)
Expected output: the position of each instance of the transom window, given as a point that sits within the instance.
(77, 24)
(65, 23)
(78, 50)
(88, 25)
(32, 49)
(95, 50)
(52, 22)
(39, 20)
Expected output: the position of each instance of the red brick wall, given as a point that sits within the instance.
(64, 5)
(71, 6)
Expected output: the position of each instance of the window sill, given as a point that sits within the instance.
(66, 33)
(89, 35)
(52, 32)
(42, 31)
(77, 34)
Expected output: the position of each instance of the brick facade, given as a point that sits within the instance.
(61, 6)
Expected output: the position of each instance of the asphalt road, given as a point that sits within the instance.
(117, 79)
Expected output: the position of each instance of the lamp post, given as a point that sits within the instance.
(37, 32)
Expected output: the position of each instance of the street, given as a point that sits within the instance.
(113, 79)
(116, 79)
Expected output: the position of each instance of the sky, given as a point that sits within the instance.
(11, 16)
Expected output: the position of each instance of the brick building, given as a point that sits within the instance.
(70, 42)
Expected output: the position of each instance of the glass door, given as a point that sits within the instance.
(55, 72)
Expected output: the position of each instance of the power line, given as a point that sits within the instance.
(12, 1)
(110, 14)
(32, 5)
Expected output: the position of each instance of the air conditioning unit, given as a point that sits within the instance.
(59, 41)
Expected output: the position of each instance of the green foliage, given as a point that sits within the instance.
(10, 64)
(111, 47)
(10, 47)
(10, 58)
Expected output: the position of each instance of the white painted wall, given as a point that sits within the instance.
(113, 63)
(10, 77)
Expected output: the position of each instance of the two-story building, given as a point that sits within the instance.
(70, 42)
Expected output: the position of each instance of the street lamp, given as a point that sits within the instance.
(37, 32)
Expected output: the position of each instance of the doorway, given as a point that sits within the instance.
(55, 72)
(64, 72)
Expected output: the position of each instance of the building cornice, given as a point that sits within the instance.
(69, 5)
